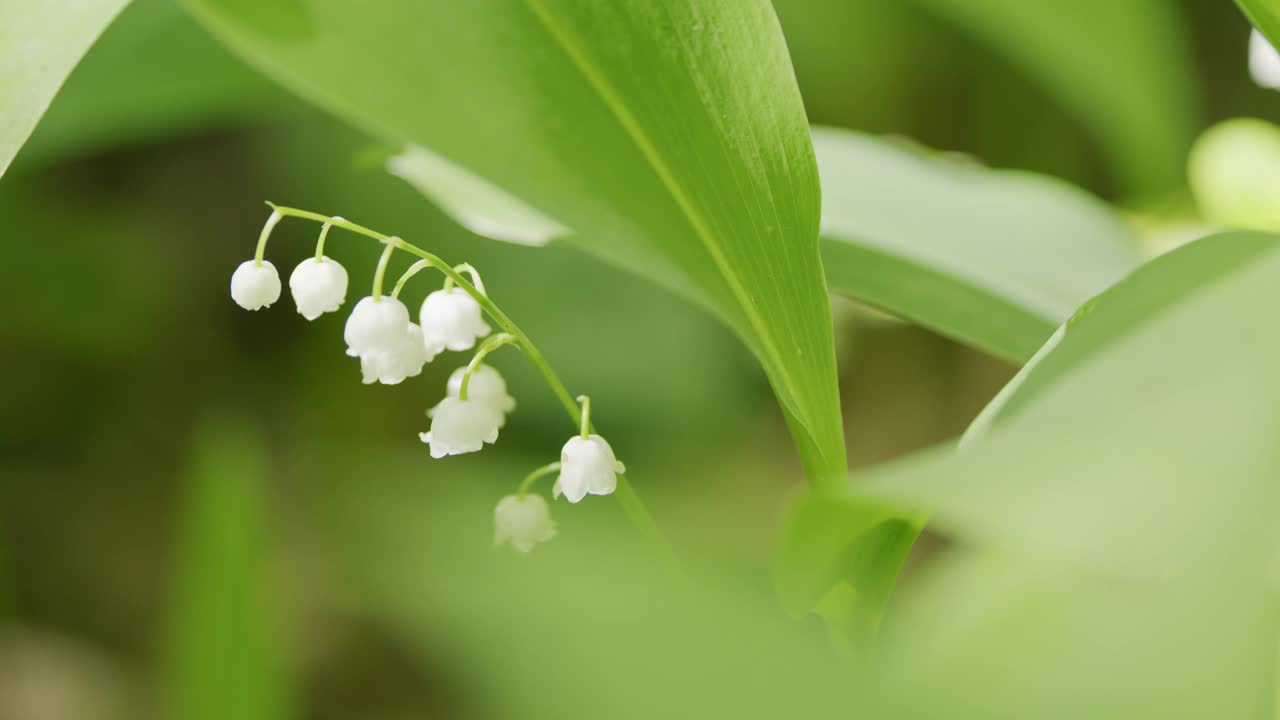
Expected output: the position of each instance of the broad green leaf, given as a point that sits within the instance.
(224, 650)
(40, 42)
(154, 74)
(995, 259)
(1141, 441)
(1265, 15)
(1234, 172)
(669, 137)
(1122, 68)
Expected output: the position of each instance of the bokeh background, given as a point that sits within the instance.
(204, 513)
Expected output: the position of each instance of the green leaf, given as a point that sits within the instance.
(1141, 441)
(994, 259)
(1122, 68)
(1265, 15)
(154, 74)
(40, 42)
(668, 136)
(224, 647)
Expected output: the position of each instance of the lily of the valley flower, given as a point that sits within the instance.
(487, 386)
(452, 319)
(461, 426)
(255, 285)
(1264, 62)
(375, 325)
(523, 521)
(587, 466)
(399, 360)
(318, 285)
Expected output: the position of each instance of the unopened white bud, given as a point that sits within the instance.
(375, 325)
(523, 521)
(452, 319)
(1264, 62)
(255, 286)
(318, 286)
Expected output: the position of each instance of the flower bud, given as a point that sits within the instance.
(1264, 62)
(523, 521)
(318, 286)
(486, 386)
(403, 359)
(452, 319)
(461, 426)
(255, 286)
(375, 325)
(587, 466)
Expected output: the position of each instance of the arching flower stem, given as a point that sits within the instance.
(532, 477)
(267, 227)
(632, 505)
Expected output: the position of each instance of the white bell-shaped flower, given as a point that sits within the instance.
(487, 386)
(587, 466)
(461, 426)
(376, 325)
(452, 319)
(403, 359)
(255, 286)
(1264, 62)
(522, 521)
(318, 285)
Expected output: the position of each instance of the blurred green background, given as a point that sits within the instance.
(203, 513)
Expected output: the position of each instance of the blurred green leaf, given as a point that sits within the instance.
(838, 542)
(1234, 171)
(154, 74)
(995, 259)
(587, 626)
(224, 651)
(1140, 442)
(1121, 67)
(1000, 636)
(670, 139)
(40, 42)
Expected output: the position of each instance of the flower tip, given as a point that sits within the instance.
(255, 285)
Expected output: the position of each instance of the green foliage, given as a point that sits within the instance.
(1121, 67)
(705, 182)
(40, 42)
(224, 650)
(180, 81)
(995, 259)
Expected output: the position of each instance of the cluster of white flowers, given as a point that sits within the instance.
(392, 348)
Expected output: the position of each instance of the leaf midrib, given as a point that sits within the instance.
(601, 86)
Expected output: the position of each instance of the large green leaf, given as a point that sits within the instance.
(1141, 440)
(154, 74)
(996, 259)
(40, 42)
(1120, 67)
(668, 137)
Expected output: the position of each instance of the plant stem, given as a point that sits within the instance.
(489, 346)
(586, 416)
(324, 233)
(632, 506)
(267, 227)
(381, 272)
(533, 476)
